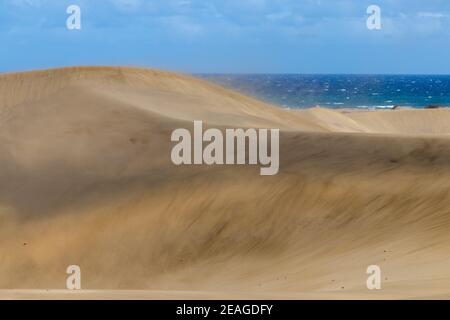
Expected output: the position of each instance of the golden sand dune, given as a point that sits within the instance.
(87, 179)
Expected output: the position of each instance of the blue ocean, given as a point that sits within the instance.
(341, 91)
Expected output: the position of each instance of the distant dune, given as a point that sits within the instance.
(87, 179)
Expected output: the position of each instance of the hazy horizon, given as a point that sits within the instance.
(212, 73)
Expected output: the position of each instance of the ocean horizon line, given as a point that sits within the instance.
(314, 74)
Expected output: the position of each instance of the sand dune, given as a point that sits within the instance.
(86, 179)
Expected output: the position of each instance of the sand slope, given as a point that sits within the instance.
(86, 179)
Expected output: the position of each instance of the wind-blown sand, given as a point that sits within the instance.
(86, 178)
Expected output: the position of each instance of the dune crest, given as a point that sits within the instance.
(87, 179)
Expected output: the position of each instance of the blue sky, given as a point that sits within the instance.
(229, 36)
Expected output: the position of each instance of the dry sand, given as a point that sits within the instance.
(86, 179)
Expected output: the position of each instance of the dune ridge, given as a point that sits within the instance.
(87, 179)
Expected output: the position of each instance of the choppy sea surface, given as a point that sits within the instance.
(341, 91)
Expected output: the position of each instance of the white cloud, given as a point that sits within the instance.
(437, 15)
(278, 16)
(27, 3)
(127, 5)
